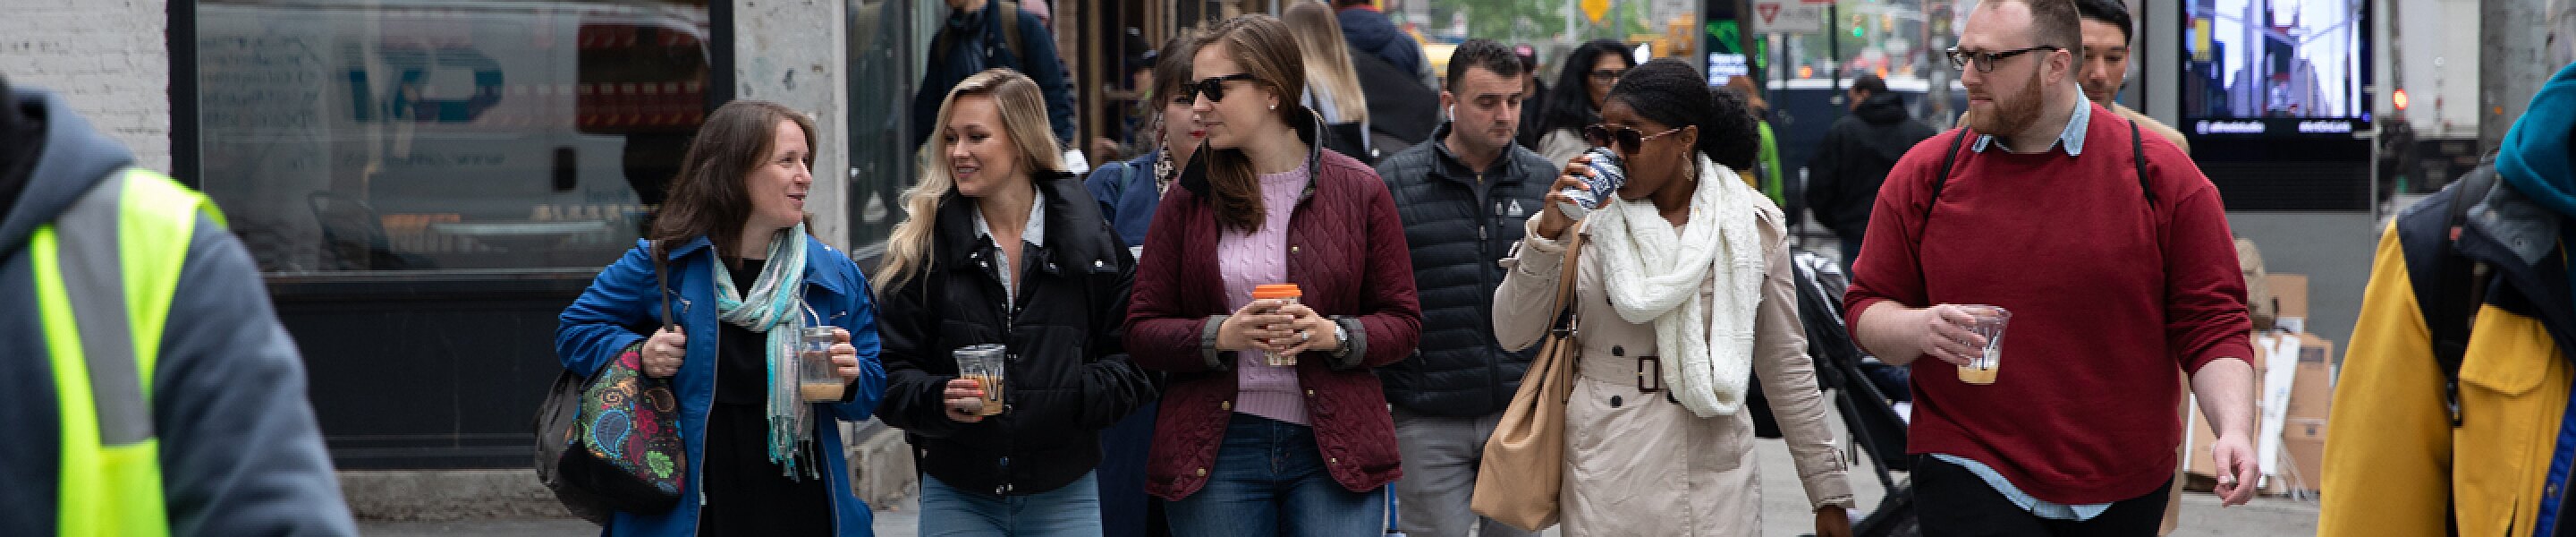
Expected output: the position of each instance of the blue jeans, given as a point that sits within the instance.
(1270, 480)
(1073, 509)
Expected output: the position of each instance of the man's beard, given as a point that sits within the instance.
(2014, 113)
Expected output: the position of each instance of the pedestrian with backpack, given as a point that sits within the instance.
(717, 303)
(986, 34)
(2452, 403)
(2065, 267)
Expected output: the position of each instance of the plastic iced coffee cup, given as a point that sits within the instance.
(1283, 292)
(817, 379)
(1989, 322)
(984, 365)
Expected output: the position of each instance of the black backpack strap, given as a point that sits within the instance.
(2461, 285)
(2138, 151)
(1948, 158)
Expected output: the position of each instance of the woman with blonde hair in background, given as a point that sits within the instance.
(1273, 422)
(1001, 246)
(1332, 85)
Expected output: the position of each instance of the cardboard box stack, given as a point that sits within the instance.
(2301, 455)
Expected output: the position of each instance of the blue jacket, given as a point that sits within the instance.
(240, 451)
(976, 44)
(1370, 31)
(621, 306)
(1127, 195)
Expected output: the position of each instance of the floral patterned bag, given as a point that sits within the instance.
(611, 442)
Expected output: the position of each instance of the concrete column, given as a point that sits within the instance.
(791, 52)
(2512, 63)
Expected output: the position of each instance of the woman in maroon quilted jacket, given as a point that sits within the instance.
(1243, 447)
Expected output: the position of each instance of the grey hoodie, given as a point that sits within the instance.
(240, 452)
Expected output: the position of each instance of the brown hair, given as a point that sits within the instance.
(708, 197)
(1171, 70)
(1263, 47)
(2056, 23)
(1024, 123)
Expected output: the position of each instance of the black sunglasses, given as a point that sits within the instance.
(1213, 87)
(1607, 74)
(1629, 139)
(1985, 61)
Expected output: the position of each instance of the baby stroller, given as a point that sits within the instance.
(1875, 426)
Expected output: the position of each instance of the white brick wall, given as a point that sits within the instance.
(110, 58)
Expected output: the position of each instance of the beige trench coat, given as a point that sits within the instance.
(1642, 465)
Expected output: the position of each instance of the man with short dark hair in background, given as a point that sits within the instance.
(1857, 152)
(1463, 195)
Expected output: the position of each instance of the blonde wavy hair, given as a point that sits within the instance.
(1328, 60)
(1024, 121)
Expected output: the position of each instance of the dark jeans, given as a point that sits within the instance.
(1125, 509)
(1270, 480)
(1950, 500)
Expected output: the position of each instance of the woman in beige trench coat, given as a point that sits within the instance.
(1686, 251)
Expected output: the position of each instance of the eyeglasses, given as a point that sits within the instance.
(1213, 87)
(1985, 61)
(1607, 75)
(1628, 139)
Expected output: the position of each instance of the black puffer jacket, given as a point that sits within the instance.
(1459, 225)
(1068, 375)
(1854, 159)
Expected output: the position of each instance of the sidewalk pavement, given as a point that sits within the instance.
(1784, 511)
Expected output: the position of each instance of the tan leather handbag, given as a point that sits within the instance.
(1525, 458)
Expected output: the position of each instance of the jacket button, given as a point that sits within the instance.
(1334, 461)
(1227, 405)
(1202, 472)
(997, 491)
(1310, 393)
(1292, 249)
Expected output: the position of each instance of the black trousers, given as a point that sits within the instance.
(1950, 500)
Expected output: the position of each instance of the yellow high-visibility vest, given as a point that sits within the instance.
(106, 270)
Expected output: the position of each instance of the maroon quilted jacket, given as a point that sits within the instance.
(1346, 253)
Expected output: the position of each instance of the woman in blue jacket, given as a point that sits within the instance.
(744, 280)
(1127, 192)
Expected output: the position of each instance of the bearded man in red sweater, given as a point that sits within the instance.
(2112, 254)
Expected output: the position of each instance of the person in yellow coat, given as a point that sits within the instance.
(2401, 458)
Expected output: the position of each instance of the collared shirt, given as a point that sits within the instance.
(2072, 138)
(1034, 235)
(2036, 507)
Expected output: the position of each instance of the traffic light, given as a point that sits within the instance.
(2398, 98)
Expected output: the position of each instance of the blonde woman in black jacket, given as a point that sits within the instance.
(1001, 246)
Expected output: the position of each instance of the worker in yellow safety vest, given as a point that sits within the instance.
(146, 387)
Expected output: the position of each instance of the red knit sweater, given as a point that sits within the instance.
(2109, 297)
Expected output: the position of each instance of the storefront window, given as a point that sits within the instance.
(445, 136)
(887, 43)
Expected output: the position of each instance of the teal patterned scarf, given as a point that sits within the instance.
(774, 306)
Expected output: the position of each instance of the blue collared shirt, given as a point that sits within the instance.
(2072, 138)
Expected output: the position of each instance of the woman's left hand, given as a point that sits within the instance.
(1833, 521)
(845, 358)
(1314, 332)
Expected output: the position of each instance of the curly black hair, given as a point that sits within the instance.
(1672, 92)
